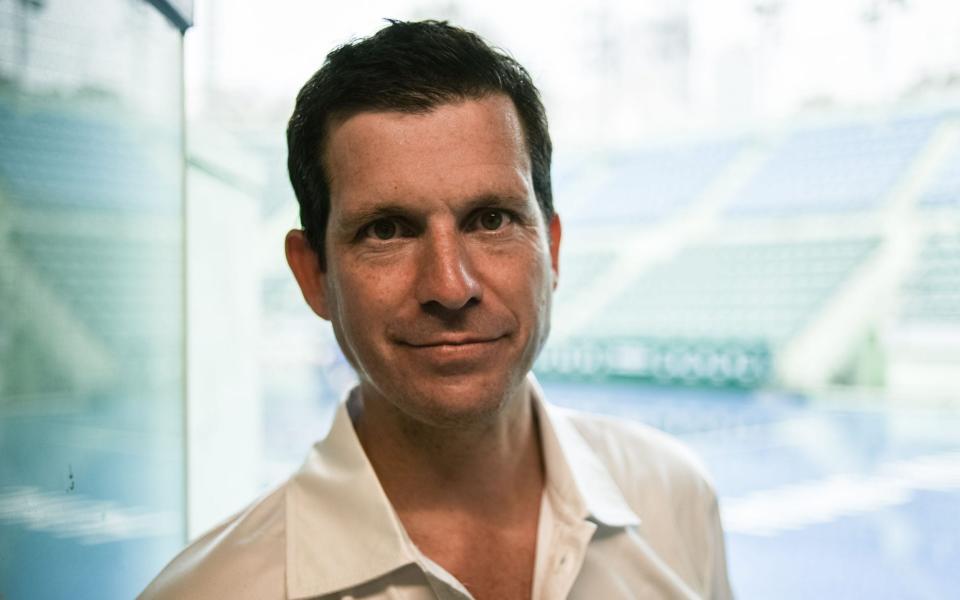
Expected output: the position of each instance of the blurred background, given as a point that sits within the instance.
(761, 205)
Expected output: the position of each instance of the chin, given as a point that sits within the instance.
(458, 402)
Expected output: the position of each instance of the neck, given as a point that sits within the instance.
(491, 468)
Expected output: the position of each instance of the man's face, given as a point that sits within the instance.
(439, 265)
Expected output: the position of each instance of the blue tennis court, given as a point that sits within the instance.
(821, 499)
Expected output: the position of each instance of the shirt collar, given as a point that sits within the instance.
(580, 480)
(341, 530)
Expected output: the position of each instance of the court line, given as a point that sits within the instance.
(770, 512)
(87, 520)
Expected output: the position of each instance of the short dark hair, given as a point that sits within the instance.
(407, 67)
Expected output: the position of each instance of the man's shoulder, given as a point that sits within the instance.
(242, 557)
(641, 459)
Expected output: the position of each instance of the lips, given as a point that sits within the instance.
(476, 328)
(453, 341)
(473, 341)
(455, 355)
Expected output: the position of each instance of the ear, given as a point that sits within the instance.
(555, 231)
(305, 265)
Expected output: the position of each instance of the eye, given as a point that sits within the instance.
(492, 220)
(382, 229)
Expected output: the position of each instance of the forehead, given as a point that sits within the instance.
(471, 147)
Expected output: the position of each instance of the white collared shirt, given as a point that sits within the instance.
(330, 531)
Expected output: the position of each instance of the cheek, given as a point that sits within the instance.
(362, 300)
(355, 321)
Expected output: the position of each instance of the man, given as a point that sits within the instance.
(421, 161)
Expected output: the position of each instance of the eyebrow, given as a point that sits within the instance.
(510, 201)
(361, 217)
(354, 220)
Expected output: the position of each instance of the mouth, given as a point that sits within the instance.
(460, 353)
(454, 342)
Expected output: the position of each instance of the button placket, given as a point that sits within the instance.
(572, 550)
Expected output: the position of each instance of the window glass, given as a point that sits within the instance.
(91, 289)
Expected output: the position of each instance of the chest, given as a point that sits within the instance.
(491, 562)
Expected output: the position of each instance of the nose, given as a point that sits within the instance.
(445, 275)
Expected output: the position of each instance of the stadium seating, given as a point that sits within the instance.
(749, 291)
(646, 185)
(841, 168)
(579, 272)
(931, 293)
(713, 313)
(944, 190)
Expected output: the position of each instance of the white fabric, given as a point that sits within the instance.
(330, 531)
